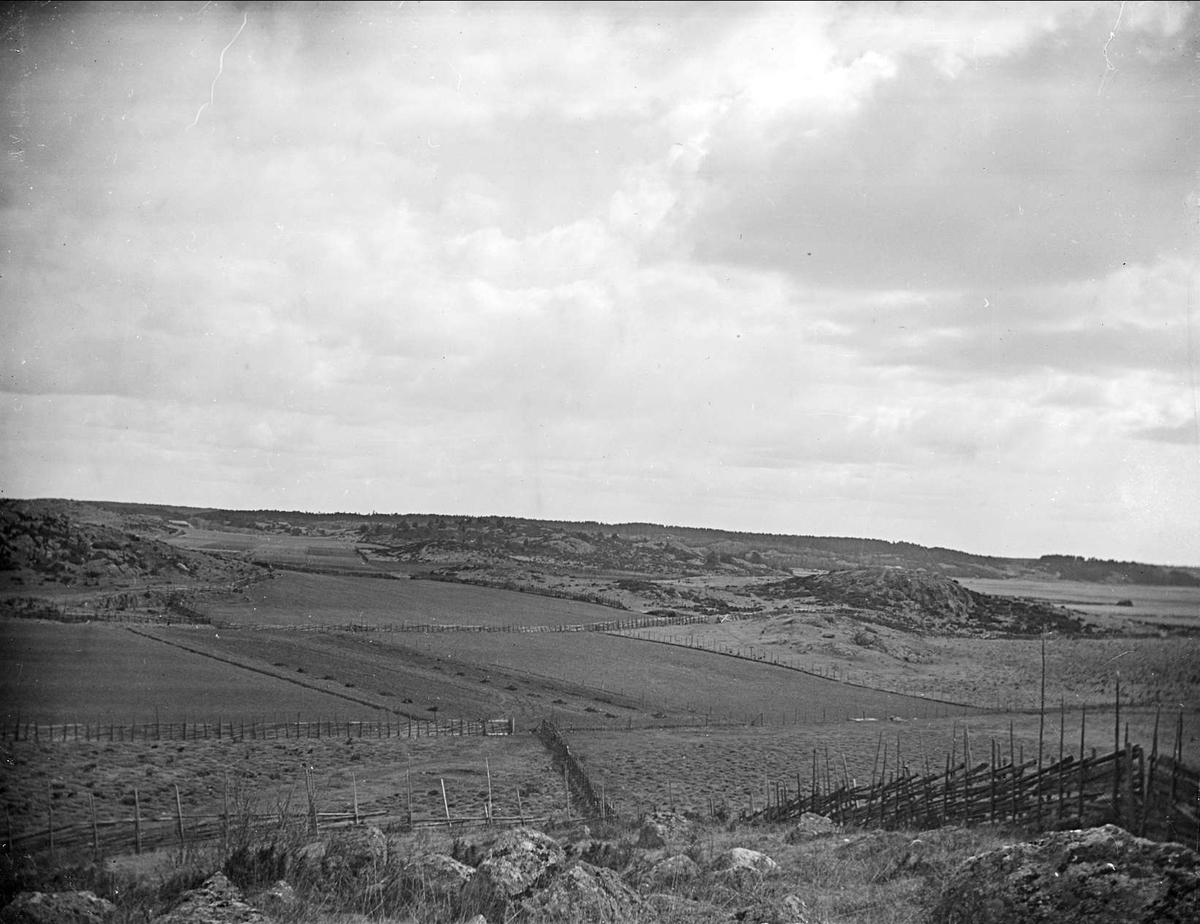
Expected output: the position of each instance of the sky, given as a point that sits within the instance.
(921, 272)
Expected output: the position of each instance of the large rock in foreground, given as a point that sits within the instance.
(585, 893)
(521, 862)
(57, 908)
(1092, 876)
(218, 901)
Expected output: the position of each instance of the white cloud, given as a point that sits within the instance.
(897, 271)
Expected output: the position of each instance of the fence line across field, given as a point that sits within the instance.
(1155, 795)
(254, 730)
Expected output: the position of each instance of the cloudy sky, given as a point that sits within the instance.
(915, 271)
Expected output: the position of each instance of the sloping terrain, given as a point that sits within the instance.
(922, 601)
(51, 552)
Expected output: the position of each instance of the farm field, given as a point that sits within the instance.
(1153, 605)
(100, 672)
(648, 768)
(264, 776)
(995, 673)
(672, 679)
(383, 671)
(325, 552)
(297, 599)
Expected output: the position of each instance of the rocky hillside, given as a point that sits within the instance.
(923, 601)
(41, 547)
(671, 870)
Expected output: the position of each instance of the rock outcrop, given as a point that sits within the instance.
(520, 863)
(434, 878)
(585, 894)
(218, 901)
(810, 825)
(670, 872)
(1091, 876)
(662, 828)
(743, 868)
(57, 908)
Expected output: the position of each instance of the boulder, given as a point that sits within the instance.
(744, 868)
(433, 877)
(218, 901)
(519, 863)
(811, 825)
(661, 828)
(1092, 876)
(670, 872)
(585, 894)
(57, 908)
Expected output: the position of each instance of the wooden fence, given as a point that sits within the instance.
(612, 625)
(589, 800)
(253, 730)
(148, 829)
(1155, 797)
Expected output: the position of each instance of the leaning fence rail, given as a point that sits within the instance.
(1156, 798)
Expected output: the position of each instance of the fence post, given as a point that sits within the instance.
(179, 811)
(488, 767)
(1116, 786)
(310, 788)
(95, 826)
(1082, 759)
(137, 822)
(446, 804)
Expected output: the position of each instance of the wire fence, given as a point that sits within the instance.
(252, 730)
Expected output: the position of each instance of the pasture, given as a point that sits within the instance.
(654, 723)
(991, 673)
(1153, 605)
(328, 553)
(99, 672)
(673, 680)
(295, 599)
(264, 777)
(687, 767)
(382, 671)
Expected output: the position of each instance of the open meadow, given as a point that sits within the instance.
(1128, 607)
(698, 716)
(269, 777)
(991, 673)
(695, 768)
(295, 599)
(327, 553)
(101, 672)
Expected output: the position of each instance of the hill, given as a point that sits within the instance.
(926, 602)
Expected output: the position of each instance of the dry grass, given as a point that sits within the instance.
(847, 878)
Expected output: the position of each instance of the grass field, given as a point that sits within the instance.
(324, 552)
(321, 599)
(1152, 604)
(102, 673)
(689, 766)
(267, 775)
(994, 673)
(672, 679)
(615, 695)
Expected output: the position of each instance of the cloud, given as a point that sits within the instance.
(1016, 169)
(874, 269)
(1184, 434)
